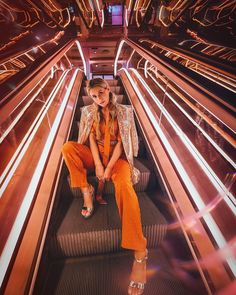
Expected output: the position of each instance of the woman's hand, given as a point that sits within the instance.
(107, 173)
(99, 170)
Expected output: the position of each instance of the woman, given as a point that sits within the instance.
(107, 143)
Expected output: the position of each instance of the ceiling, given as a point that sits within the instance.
(25, 24)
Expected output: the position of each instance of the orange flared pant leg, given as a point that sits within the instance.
(128, 206)
(78, 160)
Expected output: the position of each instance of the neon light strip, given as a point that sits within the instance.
(202, 67)
(117, 56)
(214, 79)
(45, 229)
(216, 233)
(215, 74)
(68, 59)
(102, 12)
(91, 5)
(145, 68)
(102, 24)
(131, 55)
(82, 56)
(23, 211)
(98, 5)
(136, 4)
(136, 19)
(52, 72)
(126, 17)
(17, 118)
(28, 51)
(30, 57)
(183, 227)
(207, 109)
(192, 149)
(68, 20)
(130, 2)
(19, 153)
(216, 146)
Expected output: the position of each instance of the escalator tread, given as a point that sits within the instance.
(74, 236)
(109, 274)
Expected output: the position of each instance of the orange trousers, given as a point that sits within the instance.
(79, 160)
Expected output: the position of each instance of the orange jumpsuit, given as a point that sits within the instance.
(79, 160)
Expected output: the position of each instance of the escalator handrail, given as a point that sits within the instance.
(175, 188)
(14, 98)
(224, 69)
(208, 100)
(38, 217)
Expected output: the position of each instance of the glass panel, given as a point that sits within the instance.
(199, 145)
(26, 136)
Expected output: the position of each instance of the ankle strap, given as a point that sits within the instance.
(90, 191)
(142, 260)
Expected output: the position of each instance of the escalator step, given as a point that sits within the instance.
(141, 186)
(73, 236)
(109, 274)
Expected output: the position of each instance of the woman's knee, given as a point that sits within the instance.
(67, 147)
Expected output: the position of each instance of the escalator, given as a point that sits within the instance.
(186, 159)
(175, 66)
(84, 256)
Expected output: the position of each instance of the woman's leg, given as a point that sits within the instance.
(128, 206)
(132, 235)
(78, 160)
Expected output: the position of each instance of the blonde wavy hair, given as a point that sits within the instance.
(98, 115)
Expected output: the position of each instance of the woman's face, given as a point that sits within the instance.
(100, 95)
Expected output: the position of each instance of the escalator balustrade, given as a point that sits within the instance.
(85, 257)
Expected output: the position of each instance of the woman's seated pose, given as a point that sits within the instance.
(107, 143)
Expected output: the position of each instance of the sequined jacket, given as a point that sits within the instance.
(127, 129)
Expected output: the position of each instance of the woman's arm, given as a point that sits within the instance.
(99, 169)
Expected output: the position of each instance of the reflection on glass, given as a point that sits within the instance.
(199, 144)
(26, 137)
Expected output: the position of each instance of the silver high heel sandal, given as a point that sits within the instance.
(139, 285)
(87, 212)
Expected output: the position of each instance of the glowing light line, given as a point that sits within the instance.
(6, 132)
(217, 77)
(214, 79)
(192, 149)
(131, 55)
(130, 3)
(216, 233)
(19, 153)
(117, 56)
(82, 56)
(22, 213)
(216, 146)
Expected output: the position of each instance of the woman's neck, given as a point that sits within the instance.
(105, 110)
